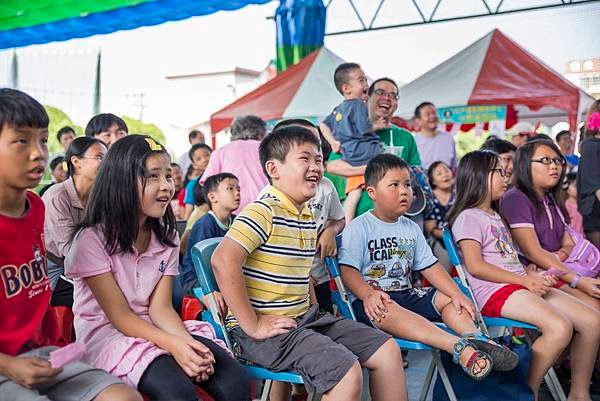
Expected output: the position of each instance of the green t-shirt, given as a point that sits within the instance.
(395, 136)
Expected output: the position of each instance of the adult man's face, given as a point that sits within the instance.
(383, 102)
(428, 118)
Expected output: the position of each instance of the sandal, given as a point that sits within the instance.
(504, 359)
(459, 347)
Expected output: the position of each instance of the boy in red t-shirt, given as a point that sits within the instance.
(25, 373)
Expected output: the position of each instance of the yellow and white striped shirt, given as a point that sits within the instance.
(281, 242)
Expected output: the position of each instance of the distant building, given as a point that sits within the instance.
(586, 74)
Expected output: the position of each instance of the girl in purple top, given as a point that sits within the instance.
(503, 287)
(122, 260)
(533, 210)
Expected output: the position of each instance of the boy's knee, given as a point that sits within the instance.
(354, 375)
(561, 329)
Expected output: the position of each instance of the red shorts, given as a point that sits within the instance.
(560, 284)
(494, 304)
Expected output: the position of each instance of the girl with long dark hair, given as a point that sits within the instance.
(122, 260)
(504, 288)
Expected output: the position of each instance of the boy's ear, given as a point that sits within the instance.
(371, 192)
(272, 167)
(212, 198)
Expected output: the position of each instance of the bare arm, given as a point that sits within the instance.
(342, 168)
(432, 229)
(227, 262)
(326, 245)
(374, 301)
(161, 309)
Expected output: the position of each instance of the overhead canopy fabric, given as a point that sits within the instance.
(496, 70)
(305, 90)
(24, 23)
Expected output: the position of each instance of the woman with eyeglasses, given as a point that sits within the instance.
(534, 210)
(64, 207)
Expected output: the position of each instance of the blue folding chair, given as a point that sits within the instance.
(344, 307)
(201, 255)
(484, 322)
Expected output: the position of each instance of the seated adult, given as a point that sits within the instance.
(535, 213)
(57, 172)
(382, 103)
(65, 203)
(442, 183)
(240, 158)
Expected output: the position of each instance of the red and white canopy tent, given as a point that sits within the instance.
(305, 90)
(497, 71)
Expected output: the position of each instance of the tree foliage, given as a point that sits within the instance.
(139, 127)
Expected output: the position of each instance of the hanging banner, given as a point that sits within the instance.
(495, 115)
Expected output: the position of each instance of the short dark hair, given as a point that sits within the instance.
(420, 106)
(561, 134)
(211, 184)
(194, 133)
(278, 144)
(380, 165)
(78, 148)
(536, 137)
(114, 203)
(102, 122)
(18, 109)
(571, 177)
(57, 160)
(498, 146)
(340, 76)
(325, 146)
(63, 131)
(248, 127)
(378, 80)
(197, 146)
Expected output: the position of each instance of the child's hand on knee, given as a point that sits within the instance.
(29, 372)
(268, 326)
(460, 302)
(536, 284)
(374, 304)
(194, 357)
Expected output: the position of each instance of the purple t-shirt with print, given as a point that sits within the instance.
(496, 248)
(519, 211)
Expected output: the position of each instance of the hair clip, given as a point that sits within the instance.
(153, 145)
(593, 121)
(64, 166)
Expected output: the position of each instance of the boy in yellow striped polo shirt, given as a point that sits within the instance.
(262, 268)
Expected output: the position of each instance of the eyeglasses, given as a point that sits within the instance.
(99, 158)
(501, 171)
(382, 93)
(546, 161)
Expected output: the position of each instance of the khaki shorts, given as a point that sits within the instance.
(77, 382)
(322, 349)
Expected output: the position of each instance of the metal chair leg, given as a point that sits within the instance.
(266, 390)
(443, 375)
(428, 379)
(554, 385)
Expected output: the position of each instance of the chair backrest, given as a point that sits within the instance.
(340, 296)
(201, 255)
(463, 284)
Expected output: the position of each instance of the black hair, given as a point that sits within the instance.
(538, 137)
(102, 123)
(384, 79)
(19, 110)
(199, 199)
(194, 133)
(420, 106)
(63, 131)
(55, 162)
(472, 177)
(211, 184)
(78, 148)
(173, 164)
(278, 144)
(430, 172)
(499, 146)
(340, 76)
(524, 179)
(114, 203)
(561, 134)
(186, 178)
(380, 165)
(197, 146)
(571, 177)
(325, 145)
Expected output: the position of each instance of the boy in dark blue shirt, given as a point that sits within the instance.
(222, 193)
